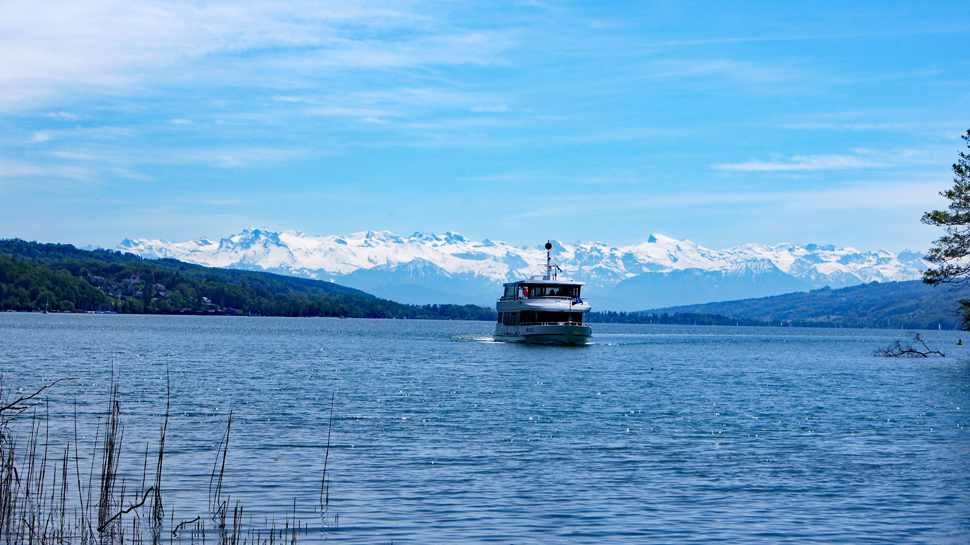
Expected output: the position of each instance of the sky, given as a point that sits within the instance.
(723, 123)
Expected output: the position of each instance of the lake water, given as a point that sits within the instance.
(652, 434)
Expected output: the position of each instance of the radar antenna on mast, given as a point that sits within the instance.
(551, 267)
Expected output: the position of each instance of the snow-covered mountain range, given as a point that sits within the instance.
(448, 268)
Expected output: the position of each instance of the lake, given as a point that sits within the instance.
(652, 434)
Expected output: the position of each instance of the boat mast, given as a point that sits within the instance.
(550, 266)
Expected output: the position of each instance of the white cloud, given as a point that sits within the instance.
(496, 108)
(801, 162)
(77, 155)
(21, 169)
(59, 45)
(917, 196)
(366, 113)
(62, 116)
(40, 136)
(403, 104)
(239, 157)
(869, 196)
(230, 201)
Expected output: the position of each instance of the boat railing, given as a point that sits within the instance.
(575, 300)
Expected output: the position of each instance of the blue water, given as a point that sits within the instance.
(652, 434)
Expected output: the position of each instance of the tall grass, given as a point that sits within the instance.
(47, 497)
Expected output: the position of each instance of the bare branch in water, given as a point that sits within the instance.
(19, 409)
(126, 511)
(907, 349)
(175, 531)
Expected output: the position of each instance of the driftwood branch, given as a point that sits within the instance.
(126, 511)
(917, 348)
(16, 407)
(13, 406)
(183, 523)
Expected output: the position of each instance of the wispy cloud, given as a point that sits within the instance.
(861, 196)
(849, 126)
(747, 71)
(110, 44)
(801, 162)
(77, 155)
(492, 108)
(426, 49)
(363, 113)
(239, 157)
(231, 201)
(20, 169)
(62, 116)
(411, 106)
(951, 28)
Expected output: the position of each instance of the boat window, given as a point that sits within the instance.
(552, 291)
(535, 317)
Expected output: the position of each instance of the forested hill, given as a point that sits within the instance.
(889, 305)
(60, 277)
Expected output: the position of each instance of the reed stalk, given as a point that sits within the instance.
(38, 505)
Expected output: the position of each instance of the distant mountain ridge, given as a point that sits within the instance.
(427, 268)
(887, 305)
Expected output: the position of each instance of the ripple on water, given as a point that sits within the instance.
(650, 433)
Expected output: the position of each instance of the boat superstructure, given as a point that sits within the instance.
(543, 309)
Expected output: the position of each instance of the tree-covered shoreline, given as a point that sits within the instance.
(886, 305)
(62, 278)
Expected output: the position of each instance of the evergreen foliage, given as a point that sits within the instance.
(952, 249)
(60, 277)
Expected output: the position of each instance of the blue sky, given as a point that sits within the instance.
(722, 123)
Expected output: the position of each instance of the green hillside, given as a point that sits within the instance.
(891, 305)
(60, 277)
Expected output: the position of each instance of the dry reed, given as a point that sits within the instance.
(38, 505)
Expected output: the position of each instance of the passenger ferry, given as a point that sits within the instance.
(543, 310)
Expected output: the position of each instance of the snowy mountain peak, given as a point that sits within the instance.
(473, 271)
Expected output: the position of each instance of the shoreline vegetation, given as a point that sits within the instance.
(61, 278)
(68, 493)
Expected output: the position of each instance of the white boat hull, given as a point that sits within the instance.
(544, 334)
